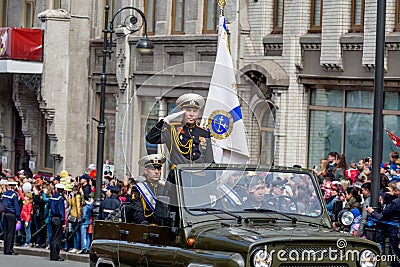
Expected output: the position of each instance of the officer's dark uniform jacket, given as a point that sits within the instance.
(141, 209)
(10, 203)
(11, 212)
(188, 143)
(57, 221)
(57, 208)
(108, 206)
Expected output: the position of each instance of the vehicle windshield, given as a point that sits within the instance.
(246, 191)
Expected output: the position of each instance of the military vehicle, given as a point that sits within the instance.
(233, 215)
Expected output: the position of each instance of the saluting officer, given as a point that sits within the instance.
(144, 194)
(11, 214)
(110, 203)
(186, 141)
(57, 221)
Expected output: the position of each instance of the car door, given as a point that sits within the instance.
(160, 246)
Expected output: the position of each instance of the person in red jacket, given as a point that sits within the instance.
(26, 217)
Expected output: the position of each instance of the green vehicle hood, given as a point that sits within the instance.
(239, 238)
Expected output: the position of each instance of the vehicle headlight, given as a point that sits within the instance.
(346, 217)
(261, 258)
(238, 259)
(367, 258)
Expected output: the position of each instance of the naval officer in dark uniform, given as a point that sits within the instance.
(10, 215)
(57, 221)
(186, 141)
(144, 194)
(110, 203)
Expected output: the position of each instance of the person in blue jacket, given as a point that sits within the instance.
(84, 224)
(57, 221)
(10, 215)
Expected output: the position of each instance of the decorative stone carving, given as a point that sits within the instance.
(332, 67)
(393, 46)
(369, 67)
(352, 46)
(31, 81)
(121, 72)
(311, 47)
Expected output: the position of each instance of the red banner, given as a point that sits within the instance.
(393, 137)
(21, 44)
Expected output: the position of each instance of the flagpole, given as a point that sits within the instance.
(221, 4)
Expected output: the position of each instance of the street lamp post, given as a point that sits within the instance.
(144, 46)
(377, 138)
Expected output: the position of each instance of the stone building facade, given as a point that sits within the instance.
(305, 79)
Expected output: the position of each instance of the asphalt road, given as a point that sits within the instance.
(36, 261)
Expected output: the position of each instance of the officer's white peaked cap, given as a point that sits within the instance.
(190, 101)
(153, 159)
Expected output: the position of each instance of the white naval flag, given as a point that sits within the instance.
(222, 113)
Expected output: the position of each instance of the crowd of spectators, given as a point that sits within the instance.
(348, 186)
(344, 186)
(34, 192)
